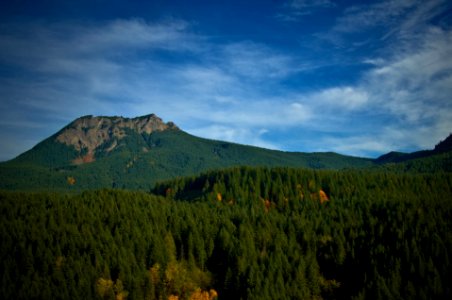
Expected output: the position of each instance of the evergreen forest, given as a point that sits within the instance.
(237, 233)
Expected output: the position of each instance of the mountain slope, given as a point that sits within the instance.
(437, 159)
(396, 157)
(135, 153)
(98, 152)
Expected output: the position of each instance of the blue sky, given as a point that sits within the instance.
(301, 75)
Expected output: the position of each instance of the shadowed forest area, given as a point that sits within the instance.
(240, 233)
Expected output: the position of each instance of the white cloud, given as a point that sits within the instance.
(416, 85)
(293, 10)
(135, 33)
(403, 102)
(63, 46)
(78, 66)
(233, 91)
(359, 145)
(409, 84)
(91, 70)
(384, 25)
(240, 135)
(388, 138)
(347, 98)
(363, 16)
(398, 20)
(258, 61)
(253, 114)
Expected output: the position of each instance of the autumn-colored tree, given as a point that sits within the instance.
(71, 180)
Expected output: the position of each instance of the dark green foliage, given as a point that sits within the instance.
(168, 154)
(444, 146)
(48, 154)
(438, 159)
(433, 162)
(140, 160)
(380, 236)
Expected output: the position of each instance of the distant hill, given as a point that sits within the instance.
(396, 157)
(444, 146)
(437, 159)
(135, 153)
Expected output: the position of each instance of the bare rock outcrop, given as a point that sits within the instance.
(88, 133)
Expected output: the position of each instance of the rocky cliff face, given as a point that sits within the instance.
(87, 133)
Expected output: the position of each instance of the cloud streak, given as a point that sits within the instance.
(241, 91)
(295, 9)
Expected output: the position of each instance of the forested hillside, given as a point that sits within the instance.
(115, 152)
(241, 233)
(168, 154)
(435, 160)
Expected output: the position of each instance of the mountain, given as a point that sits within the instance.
(391, 157)
(135, 153)
(437, 159)
(97, 152)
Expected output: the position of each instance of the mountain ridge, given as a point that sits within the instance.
(135, 153)
(443, 146)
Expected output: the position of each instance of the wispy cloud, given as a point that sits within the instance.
(300, 4)
(95, 70)
(406, 92)
(136, 33)
(416, 85)
(339, 98)
(403, 102)
(256, 61)
(240, 135)
(55, 44)
(389, 19)
(295, 9)
(60, 71)
(242, 91)
(384, 13)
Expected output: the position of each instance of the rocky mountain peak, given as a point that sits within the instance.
(87, 133)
